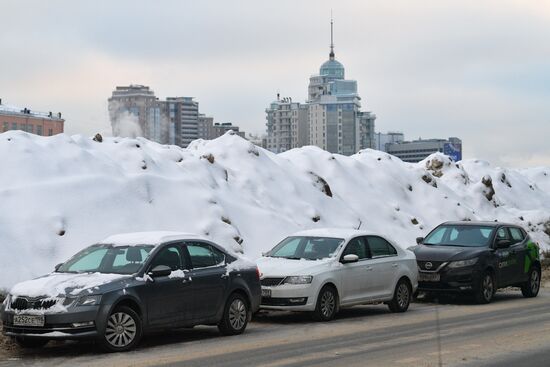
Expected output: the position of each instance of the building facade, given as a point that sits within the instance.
(287, 125)
(417, 150)
(134, 110)
(381, 140)
(39, 123)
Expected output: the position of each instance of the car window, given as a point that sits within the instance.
(169, 256)
(517, 234)
(380, 247)
(90, 262)
(204, 255)
(130, 259)
(357, 246)
(502, 234)
(290, 247)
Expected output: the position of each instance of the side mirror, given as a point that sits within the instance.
(350, 258)
(160, 271)
(419, 240)
(503, 243)
(58, 266)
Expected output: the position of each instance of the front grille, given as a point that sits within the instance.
(22, 303)
(271, 282)
(434, 265)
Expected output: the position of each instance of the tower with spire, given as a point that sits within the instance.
(332, 113)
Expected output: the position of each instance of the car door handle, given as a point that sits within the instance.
(225, 276)
(395, 265)
(369, 268)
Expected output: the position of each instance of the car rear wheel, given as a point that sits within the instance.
(235, 315)
(30, 343)
(532, 286)
(122, 331)
(401, 297)
(486, 289)
(327, 304)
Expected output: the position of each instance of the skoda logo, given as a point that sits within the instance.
(428, 265)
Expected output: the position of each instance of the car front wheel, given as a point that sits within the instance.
(532, 286)
(122, 331)
(235, 315)
(327, 304)
(485, 289)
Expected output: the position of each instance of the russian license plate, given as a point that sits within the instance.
(266, 292)
(429, 277)
(28, 320)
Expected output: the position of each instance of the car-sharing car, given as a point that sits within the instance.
(129, 284)
(478, 258)
(323, 270)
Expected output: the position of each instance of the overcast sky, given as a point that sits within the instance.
(479, 70)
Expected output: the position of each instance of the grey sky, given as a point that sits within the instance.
(479, 70)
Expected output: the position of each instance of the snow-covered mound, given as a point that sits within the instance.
(59, 194)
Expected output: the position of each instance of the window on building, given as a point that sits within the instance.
(14, 126)
(30, 128)
(39, 130)
(6, 126)
(50, 132)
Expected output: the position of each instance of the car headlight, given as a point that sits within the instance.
(462, 263)
(300, 279)
(89, 300)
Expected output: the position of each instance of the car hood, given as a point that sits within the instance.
(66, 284)
(446, 253)
(279, 267)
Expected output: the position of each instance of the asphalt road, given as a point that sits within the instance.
(511, 331)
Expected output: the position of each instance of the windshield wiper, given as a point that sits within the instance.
(293, 258)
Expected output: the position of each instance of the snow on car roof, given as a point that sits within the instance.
(147, 238)
(333, 232)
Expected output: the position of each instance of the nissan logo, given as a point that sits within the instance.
(428, 265)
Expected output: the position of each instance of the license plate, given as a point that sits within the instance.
(266, 292)
(28, 320)
(431, 277)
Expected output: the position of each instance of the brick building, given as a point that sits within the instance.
(39, 123)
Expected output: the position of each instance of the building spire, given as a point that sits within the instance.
(331, 55)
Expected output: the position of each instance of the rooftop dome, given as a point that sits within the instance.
(332, 68)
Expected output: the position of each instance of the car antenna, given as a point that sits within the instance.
(360, 223)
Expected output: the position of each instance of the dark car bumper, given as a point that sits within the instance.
(74, 324)
(452, 280)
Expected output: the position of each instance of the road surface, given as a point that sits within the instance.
(511, 331)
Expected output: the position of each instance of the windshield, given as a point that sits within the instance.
(460, 235)
(107, 259)
(309, 248)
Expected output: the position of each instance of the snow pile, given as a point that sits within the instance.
(59, 194)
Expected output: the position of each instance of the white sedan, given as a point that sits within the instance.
(322, 270)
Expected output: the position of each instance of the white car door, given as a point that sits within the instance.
(385, 263)
(355, 277)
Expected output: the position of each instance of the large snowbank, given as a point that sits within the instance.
(61, 193)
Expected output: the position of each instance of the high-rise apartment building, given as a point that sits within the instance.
(134, 110)
(417, 150)
(287, 125)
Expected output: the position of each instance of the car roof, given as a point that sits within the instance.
(344, 233)
(148, 238)
(481, 223)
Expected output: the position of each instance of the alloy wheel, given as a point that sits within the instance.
(237, 314)
(328, 303)
(488, 288)
(121, 330)
(403, 295)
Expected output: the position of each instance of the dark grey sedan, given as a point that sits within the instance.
(130, 284)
